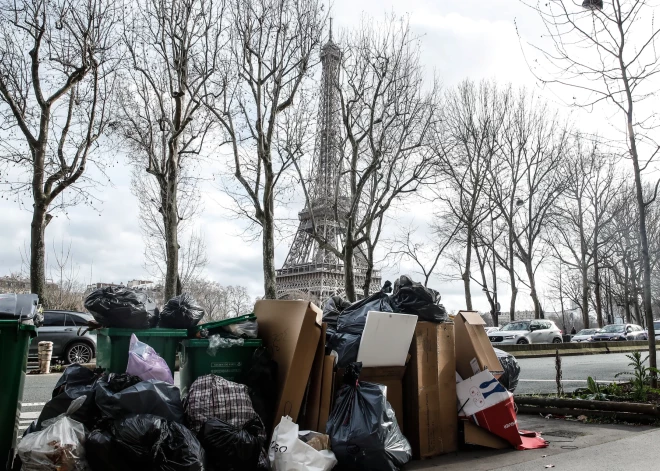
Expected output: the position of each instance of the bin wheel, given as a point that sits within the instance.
(78, 353)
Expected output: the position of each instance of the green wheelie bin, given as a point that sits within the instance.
(16, 331)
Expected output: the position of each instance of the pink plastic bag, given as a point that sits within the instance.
(145, 363)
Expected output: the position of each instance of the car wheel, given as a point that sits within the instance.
(556, 340)
(78, 353)
(522, 341)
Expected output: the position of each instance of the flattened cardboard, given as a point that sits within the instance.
(309, 419)
(392, 378)
(386, 339)
(291, 331)
(430, 391)
(474, 435)
(327, 390)
(473, 343)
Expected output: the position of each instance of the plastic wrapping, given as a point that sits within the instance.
(245, 330)
(181, 312)
(511, 369)
(122, 307)
(217, 341)
(145, 363)
(149, 442)
(346, 346)
(363, 429)
(60, 446)
(410, 297)
(332, 309)
(287, 452)
(75, 382)
(352, 320)
(232, 448)
(146, 397)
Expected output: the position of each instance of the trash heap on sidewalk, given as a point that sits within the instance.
(369, 386)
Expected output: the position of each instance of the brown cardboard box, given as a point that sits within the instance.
(309, 419)
(291, 331)
(430, 391)
(389, 376)
(327, 392)
(474, 435)
(473, 348)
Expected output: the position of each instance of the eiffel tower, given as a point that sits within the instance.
(309, 268)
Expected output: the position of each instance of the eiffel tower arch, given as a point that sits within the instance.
(310, 268)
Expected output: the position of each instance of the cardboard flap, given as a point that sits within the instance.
(472, 317)
(472, 343)
(475, 435)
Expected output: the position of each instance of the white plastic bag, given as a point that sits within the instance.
(145, 363)
(59, 446)
(288, 453)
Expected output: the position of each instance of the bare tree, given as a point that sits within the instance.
(67, 291)
(211, 296)
(57, 60)
(387, 113)
(174, 47)
(271, 54)
(608, 55)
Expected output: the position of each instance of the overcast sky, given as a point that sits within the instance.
(461, 39)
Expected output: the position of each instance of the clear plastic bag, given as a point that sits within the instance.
(145, 363)
(217, 341)
(247, 330)
(59, 446)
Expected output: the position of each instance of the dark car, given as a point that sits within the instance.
(620, 332)
(65, 329)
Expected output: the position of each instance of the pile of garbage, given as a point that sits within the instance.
(370, 387)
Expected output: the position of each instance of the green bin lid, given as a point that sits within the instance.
(204, 343)
(17, 324)
(223, 322)
(155, 332)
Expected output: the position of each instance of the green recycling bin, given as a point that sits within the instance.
(112, 346)
(230, 363)
(14, 342)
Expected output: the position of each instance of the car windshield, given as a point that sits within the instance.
(587, 332)
(516, 326)
(613, 328)
(656, 326)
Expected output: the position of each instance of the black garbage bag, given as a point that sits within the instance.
(146, 397)
(260, 379)
(410, 297)
(511, 369)
(119, 381)
(101, 452)
(352, 320)
(181, 312)
(76, 381)
(346, 346)
(122, 307)
(363, 430)
(230, 448)
(332, 309)
(148, 442)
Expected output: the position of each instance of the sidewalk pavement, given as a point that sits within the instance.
(573, 445)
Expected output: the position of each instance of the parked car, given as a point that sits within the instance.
(656, 327)
(620, 332)
(491, 329)
(63, 329)
(585, 335)
(524, 332)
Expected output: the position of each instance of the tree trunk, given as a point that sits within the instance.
(626, 293)
(268, 248)
(171, 225)
(538, 311)
(599, 308)
(366, 288)
(40, 220)
(349, 274)
(512, 278)
(466, 273)
(585, 296)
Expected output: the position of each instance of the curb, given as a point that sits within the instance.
(573, 349)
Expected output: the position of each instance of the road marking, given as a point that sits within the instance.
(567, 381)
(30, 415)
(33, 404)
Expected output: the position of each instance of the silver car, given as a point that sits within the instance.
(585, 335)
(524, 332)
(63, 328)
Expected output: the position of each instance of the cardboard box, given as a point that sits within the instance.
(389, 376)
(474, 351)
(430, 391)
(291, 331)
(472, 434)
(327, 391)
(309, 419)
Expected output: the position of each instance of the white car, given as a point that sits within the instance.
(585, 335)
(490, 330)
(524, 332)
